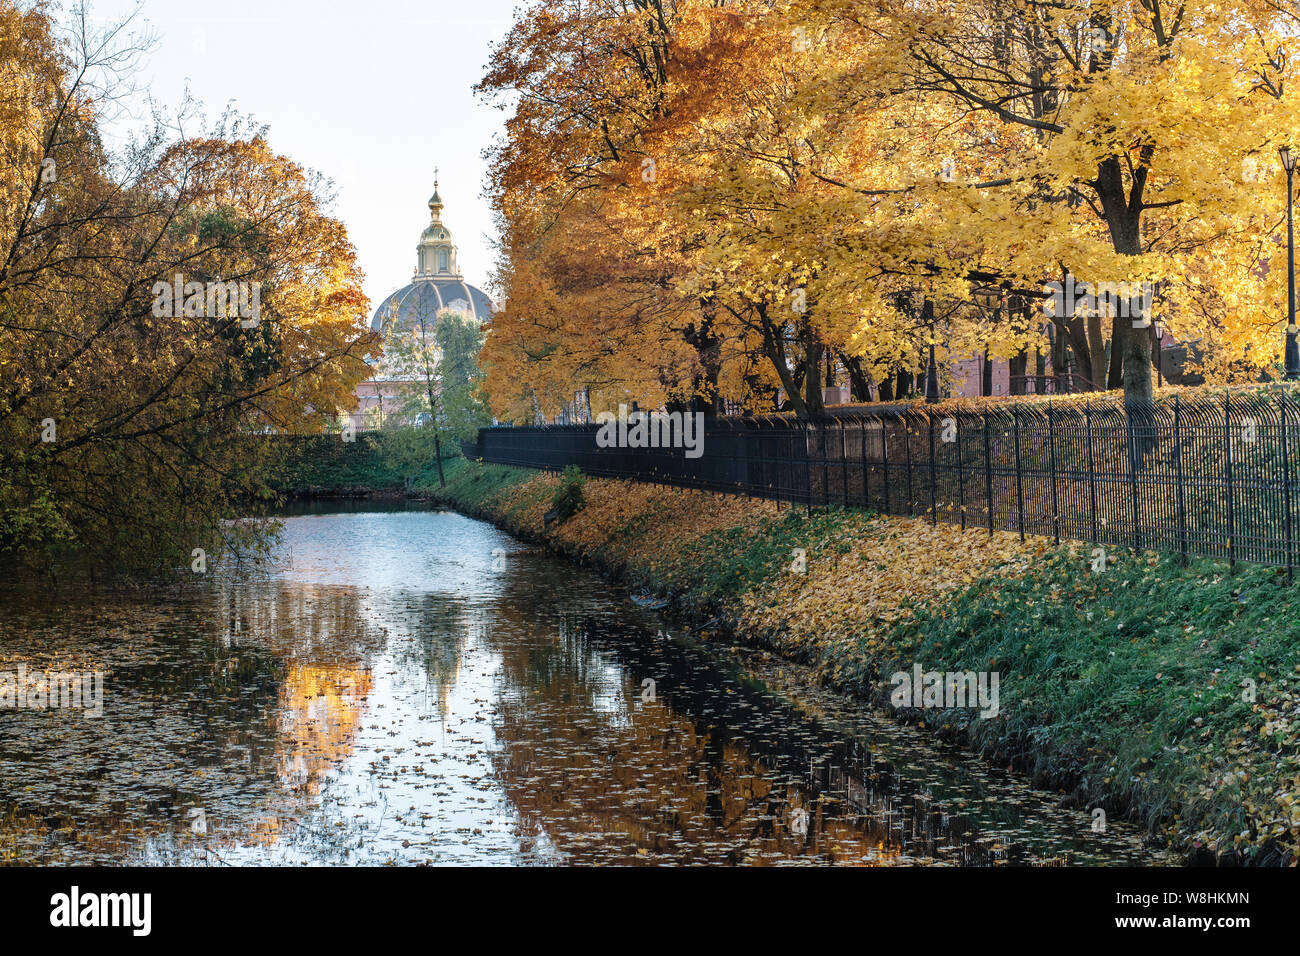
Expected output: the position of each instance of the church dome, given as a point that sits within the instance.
(425, 297)
(437, 285)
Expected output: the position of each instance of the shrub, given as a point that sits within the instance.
(569, 500)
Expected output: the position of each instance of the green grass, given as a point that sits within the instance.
(472, 486)
(1126, 687)
(715, 571)
(326, 466)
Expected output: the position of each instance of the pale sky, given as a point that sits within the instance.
(373, 94)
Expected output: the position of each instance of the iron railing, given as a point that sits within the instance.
(1212, 476)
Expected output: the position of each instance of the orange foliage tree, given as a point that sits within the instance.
(129, 421)
(708, 200)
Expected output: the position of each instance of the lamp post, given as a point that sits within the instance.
(1051, 384)
(931, 374)
(1160, 374)
(931, 369)
(1292, 350)
(931, 379)
(990, 298)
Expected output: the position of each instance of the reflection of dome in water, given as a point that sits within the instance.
(437, 286)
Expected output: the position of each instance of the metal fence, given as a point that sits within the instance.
(1213, 476)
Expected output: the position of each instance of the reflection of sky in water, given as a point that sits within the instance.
(382, 694)
(440, 551)
(609, 689)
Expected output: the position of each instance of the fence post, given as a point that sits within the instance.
(807, 465)
(1131, 429)
(907, 449)
(1092, 471)
(884, 459)
(988, 469)
(934, 508)
(961, 477)
(866, 474)
(826, 469)
(771, 467)
(1051, 447)
(844, 463)
(1020, 491)
(1178, 472)
(1286, 481)
(740, 442)
(1227, 453)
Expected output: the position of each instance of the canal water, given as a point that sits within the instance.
(412, 686)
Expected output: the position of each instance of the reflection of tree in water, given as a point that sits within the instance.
(240, 712)
(300, 621)
(436, 627)
(614, 778)
(327, 644)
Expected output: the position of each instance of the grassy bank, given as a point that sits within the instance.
(1128, 689)
(325, 466)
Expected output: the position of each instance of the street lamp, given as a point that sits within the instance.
(931, 369)
(991, 298)
(1160, 344)
(1292, 350)
(931, 374)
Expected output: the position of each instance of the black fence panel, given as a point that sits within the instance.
(1203, 476)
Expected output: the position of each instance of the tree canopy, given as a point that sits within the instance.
(705, 200)
(125, 427)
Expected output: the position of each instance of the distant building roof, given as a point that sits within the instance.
(425, 297)
(437, 284)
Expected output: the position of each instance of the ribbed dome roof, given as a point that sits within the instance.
(426, 297)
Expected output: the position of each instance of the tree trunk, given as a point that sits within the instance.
(1058, 356)
(859, 386)
(1019, 366)
(1118, 336)
(1096, 350)
(774, 348)
(1137, 367)
(708, 351)
(1130, 360)
(812, 383)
